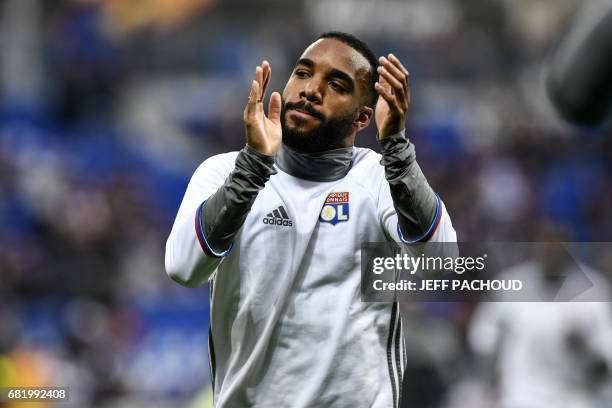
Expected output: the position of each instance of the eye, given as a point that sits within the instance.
(337, 87)
(300, 73)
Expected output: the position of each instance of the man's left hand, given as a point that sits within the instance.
(394, 96)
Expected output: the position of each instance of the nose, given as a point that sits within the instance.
(312, 91)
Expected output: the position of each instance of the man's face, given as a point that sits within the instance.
(323, 99)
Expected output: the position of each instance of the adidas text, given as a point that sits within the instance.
(278, 221)
(278, 217)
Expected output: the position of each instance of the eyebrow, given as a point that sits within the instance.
(333, 72)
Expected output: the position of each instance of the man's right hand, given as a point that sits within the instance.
(263, 133)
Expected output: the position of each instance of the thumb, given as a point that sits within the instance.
(274, 108)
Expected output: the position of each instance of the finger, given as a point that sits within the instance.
(397, 86)
(386, 95)
(251, 107)
(398, 63)
(383, 82)
(396, 89)
(259, 79)
(267, 73)
(274, 108)
(396, 72)
(385, 85)
(392, 68)
(408, 97)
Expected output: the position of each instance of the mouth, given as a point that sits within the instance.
(303, 112)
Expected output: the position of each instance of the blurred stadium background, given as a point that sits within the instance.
(107, 107)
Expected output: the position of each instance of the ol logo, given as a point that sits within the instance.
(336, 208)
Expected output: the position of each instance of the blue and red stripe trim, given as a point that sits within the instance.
(430, 231)
(202, 239)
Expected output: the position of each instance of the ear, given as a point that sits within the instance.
(362, 117)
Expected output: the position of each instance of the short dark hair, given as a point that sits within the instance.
(362, 48)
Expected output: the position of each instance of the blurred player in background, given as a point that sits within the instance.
(548, 354)
(277, 230)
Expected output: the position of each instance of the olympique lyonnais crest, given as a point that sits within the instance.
(336, 208)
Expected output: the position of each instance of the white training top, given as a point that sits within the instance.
(288, 327)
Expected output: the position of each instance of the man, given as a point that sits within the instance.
(554, 353)
(279, 226)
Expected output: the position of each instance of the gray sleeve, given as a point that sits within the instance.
(416, 204)
(224, 212)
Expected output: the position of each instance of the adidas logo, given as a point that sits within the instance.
(278, 217)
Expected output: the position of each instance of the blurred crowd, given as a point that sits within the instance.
(107, 107)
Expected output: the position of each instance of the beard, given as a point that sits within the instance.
(331, 133)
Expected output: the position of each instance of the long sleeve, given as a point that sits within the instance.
(418, 208)
(216, 203)
(225, 211)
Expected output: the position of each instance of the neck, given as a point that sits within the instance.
(329, 165)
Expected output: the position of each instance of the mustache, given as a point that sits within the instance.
(305, 106)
